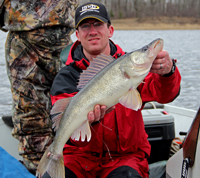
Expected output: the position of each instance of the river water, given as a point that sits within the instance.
(184, 45)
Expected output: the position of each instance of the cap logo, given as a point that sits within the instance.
(89, 7)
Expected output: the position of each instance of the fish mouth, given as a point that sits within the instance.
(156, 47)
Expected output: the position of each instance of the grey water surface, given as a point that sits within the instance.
(184, 45)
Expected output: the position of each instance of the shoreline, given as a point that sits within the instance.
(157, 23)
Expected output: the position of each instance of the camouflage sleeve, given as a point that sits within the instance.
(26, 15)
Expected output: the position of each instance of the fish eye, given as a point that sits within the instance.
(145, 48)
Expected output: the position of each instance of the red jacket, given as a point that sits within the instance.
(121, 131)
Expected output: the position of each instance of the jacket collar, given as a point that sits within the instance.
(77, 58)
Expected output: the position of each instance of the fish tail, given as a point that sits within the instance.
(52, 164)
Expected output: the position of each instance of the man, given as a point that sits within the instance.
(122, 151)
(38, 31)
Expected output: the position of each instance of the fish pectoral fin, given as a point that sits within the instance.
(131, 99)
(83, 131)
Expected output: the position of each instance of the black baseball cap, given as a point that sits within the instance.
(91, 10)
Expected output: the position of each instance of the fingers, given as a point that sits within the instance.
(98, 113)
(91, 117)
(158, 64)
(161, 54)
(162, 64)
(103, 111)
(95, 115)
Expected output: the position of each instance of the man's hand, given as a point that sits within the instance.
(162, 64)
(98, 113)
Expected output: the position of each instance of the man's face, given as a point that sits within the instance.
(94, 36)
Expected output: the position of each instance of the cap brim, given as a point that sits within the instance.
(100, 18)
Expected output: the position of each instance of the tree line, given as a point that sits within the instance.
(150, 8)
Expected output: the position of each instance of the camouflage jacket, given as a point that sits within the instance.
(20, 15)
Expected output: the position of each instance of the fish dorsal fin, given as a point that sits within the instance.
(95, 67)
(83, 131)
(131, 99)
(57, 112)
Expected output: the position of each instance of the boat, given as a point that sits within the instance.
(185, 163)
(164, 123)
(170, 129)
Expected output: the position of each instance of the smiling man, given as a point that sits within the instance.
(94, 35)
(119, 147)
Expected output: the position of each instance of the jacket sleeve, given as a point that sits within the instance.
(65, 83)
(160, 88)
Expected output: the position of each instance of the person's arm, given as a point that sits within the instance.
(161, 84)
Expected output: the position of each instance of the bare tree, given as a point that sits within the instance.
(136, 8)
(150, 8)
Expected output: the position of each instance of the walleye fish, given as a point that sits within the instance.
(106, 81)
